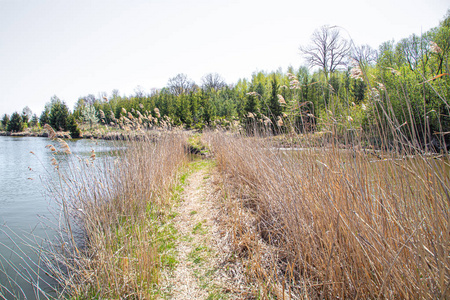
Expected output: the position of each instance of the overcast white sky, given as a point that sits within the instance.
(71, 48)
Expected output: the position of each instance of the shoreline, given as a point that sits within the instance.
(120, 136)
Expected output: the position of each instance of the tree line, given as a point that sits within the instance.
(402, 86)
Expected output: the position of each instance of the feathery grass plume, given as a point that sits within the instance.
(64, 146)
(124, 111)
(349, 118)
(435, 48)
(51, 132)
(356, 73)
(294, 84)
(55, 163)
(280, 121)
(252, 93)
(51, 147)
(92, 154)
(102, 114)
(141, 105)
(281, 99)
(156, 110)
(291, 76)
(130, 116)
(251, 115)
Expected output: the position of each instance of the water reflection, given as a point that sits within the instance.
(25, 211)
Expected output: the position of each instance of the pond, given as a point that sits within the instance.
(26, 211)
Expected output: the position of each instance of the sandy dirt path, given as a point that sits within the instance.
(204, 269)
(190, 223)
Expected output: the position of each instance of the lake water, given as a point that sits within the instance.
(24, 208)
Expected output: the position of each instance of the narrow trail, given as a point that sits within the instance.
(197, 274)
(190, 217)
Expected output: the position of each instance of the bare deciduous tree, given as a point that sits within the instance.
(27, 112)
(180, 84)
(213, 81)
(89, 99)
(139, 92)
(327, 51)
(364, 54)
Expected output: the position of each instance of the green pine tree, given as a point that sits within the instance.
(16, 123)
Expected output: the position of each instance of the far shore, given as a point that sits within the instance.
(85, 135)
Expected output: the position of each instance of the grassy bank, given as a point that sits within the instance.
(328, 222)
(115, 231)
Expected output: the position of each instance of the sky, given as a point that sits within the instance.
(72, 48)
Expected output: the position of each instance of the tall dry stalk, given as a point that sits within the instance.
(112, 216)
(329, 222)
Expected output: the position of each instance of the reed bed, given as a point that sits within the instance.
(336, 223)
(114, 236)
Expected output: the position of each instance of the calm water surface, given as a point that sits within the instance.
(24, 208)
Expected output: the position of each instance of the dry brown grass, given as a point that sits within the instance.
(329, 223)
(114, 236)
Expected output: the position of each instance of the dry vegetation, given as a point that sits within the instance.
(115, 235)
(328, 223)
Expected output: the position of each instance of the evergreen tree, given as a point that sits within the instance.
(208, 110)
(251, 113)
(194, 106)
(16, 123)
(45, 116)
(58, 114)
(34, 120)
(252, 104)
(72, 126)
(5, 121)
(184, 111)
(274, 102)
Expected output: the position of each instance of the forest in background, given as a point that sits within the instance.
(401, 87)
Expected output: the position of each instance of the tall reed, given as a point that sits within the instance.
(329, 222)
(112, 219)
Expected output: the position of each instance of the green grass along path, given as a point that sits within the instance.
(196, 273)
